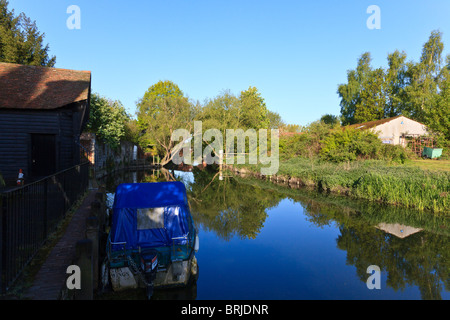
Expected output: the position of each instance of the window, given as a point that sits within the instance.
(150, 218)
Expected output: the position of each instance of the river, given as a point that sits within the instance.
(262, 241)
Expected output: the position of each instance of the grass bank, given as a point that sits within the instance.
(405, 185)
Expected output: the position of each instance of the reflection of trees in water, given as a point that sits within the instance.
(227, 207)
(422, 259)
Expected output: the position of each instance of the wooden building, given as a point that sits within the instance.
(394, 130)
(42, 114)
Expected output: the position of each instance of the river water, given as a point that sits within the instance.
(262, 241)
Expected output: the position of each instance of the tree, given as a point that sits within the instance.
(275, 121)
(371, 102)
(438, 117)
(423, 78)
(108, 119)
(223, 112)
(350, 93)
(254, 110)
(162, 110)
(330, 119)
(20, 40)
(395, 83)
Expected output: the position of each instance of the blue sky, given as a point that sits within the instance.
(295, 52)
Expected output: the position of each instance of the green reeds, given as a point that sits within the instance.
(374, 180)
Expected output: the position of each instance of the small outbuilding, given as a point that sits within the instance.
(42, 114)
(394, 130)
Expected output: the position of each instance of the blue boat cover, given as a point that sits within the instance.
(149, 215)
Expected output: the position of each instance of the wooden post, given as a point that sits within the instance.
(84, 261)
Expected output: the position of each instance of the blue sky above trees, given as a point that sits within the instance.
(295, 52)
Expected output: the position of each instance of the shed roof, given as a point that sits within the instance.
(372, 124)
(36, 87)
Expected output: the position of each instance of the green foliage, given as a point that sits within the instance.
(306, 143)
(254, 110)
(330, 119)
(350, 144)
(162, 110)
(438, 117)
(108, 119)
(20, 40)
(393, 153)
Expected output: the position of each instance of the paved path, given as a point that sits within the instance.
(51, 278)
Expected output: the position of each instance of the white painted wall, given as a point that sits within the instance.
(393, 130)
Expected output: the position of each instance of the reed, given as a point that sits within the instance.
(374, 180)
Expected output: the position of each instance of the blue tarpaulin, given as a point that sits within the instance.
(149, 215)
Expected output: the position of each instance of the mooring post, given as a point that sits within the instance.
(92, 233)
(83, 260)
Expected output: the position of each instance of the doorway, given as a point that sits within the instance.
(43, 155)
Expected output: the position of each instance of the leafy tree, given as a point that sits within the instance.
(275, 121)
(395, 83)
(223, 112)
(330, 119)
(162, 110)
(372, 101)
(423, 78)
(108, 119)
(20, 40)
(350, 92)
(438, 117)
(254, 110)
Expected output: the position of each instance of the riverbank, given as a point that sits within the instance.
(378, 181)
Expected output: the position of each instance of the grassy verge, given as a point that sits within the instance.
(438, 165)
(404, 185)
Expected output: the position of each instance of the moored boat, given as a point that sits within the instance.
(153, 241)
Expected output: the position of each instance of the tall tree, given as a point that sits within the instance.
(350, 93)
(20, 40)
(222, 112)
(371, 103)
(395, 82)
(162, 110)
(438, 117)
(423, 78)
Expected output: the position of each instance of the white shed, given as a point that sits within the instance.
(394, 130)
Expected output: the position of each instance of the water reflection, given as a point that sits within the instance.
(411, 248)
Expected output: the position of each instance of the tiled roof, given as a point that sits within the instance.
(34, 87)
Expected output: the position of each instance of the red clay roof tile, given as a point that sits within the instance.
(35, 87)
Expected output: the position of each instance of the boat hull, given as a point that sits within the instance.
(177, 274)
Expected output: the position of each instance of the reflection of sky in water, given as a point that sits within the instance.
(185, 177)
(290, 259)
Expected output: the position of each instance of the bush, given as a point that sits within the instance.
(349, 145)
(394, 153)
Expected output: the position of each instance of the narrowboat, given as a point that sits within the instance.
(152, 241)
